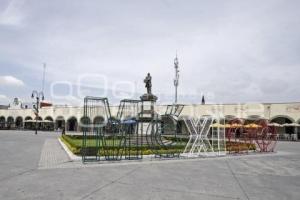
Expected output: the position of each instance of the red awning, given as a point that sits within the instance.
(45, 104)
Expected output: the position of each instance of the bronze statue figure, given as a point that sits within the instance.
(148, 83)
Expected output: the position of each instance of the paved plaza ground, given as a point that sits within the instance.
(36, 167)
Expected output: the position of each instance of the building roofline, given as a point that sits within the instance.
(192, 104)
(234, 103)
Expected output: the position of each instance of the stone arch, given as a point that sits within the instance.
(84, 123)
(10, 122)
(72, 124)
(98, 120)
(19, 122)
(2, 122)
(283, 119)
(228, 118)
(28, 124)
(39, 118)
(48, 123)
(254, 117)
(28, 118)
(49, 118)
(298, 129)
(39, 123)
(60, 122)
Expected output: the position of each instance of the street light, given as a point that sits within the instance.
(38, 96)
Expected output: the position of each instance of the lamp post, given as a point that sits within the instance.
(37, 95)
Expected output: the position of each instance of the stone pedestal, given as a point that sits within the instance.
(147, 114)
(147, 111)
(148, 97)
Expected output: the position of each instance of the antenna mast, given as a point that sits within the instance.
(176, 79)
(44, 70)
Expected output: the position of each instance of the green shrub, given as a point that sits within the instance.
(74, 143)
(72, 147)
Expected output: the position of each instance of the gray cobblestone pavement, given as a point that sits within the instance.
(52, 154)
(31, 170)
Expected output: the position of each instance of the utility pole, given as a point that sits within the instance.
(44, 71)
(176, 79)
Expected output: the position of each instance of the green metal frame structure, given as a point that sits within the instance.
(136, 128)
(128, 115)
(93, 132)
(164, 134)
(128, 109)
(133, 144)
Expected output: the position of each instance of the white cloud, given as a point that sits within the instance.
(12, 14)
(11, 81)
(236, 50)
(4, 99)
(2, 96)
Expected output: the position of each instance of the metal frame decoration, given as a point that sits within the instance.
(199, 142)
(133, 143)
(237, 142)
(93, 132)
(266, 138)
(206, 136)
(174, 109)
(217, 136)
(128, 114)
(128, 109)
(138, 129)
(113, 139)
(164, 135)
(162, 143)
(243, 136)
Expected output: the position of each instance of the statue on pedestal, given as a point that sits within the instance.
(148, 83)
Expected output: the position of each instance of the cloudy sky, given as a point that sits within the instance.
(230, 51)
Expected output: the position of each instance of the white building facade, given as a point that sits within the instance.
(69, 117)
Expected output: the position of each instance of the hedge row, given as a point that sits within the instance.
(76, 147)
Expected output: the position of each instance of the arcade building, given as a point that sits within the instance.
(284, 116)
